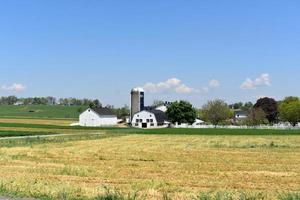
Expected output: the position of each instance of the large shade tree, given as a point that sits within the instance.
(270, 107)
(289, 110)
(216, 111)
(181, 112)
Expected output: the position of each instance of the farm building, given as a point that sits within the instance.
(94, 117)
(150, 119)
(197, 124)
(240, 115)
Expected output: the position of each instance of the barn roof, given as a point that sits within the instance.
(160, 116)
(103, 111)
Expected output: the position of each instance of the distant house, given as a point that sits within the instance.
(197, 124)
(240, 115)
(97, 117)
(18, 103)
(150, 119)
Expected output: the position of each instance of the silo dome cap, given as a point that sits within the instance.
(137, 89)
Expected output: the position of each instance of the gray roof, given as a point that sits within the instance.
(149, 108)
(240, 112)
(160, 116)
(103, 111)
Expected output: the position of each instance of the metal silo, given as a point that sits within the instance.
(137, 100)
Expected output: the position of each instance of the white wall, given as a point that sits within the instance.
(144, 115)
(242, 116)
(92, 119)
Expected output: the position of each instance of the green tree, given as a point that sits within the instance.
(123, 112)
(290, 99)
(247, 106)
(289, 110)
(236, 106)
(181, 112)
(11, 100)
(256, 117)
(94, 103)
(216, 111)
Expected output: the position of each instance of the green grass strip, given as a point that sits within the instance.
(168, 131)
(22, 133)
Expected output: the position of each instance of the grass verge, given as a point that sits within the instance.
(22, 133)
(166, 131)
(50, 140)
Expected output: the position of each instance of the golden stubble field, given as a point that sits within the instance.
(152, 165)
(61, 122)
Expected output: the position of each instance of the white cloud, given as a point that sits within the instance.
(150, 87)
(214, 83)
(177, 86)
(261, 81)
(16, 87)
(172, 84)
(183, 89)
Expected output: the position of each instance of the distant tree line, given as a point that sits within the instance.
(122, 112)
(13, 100)
(242, 106)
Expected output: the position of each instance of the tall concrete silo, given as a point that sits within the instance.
(137, 100)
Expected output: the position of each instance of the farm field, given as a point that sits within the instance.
(149, 164)
(41, 111)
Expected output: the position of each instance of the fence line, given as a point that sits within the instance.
(276, 127)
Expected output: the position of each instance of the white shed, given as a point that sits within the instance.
(95, 117)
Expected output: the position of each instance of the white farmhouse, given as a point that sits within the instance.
(150, 119)
(197, 124)
(240, 115)
(94, 117)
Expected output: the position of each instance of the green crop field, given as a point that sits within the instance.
(122, 163)
(22, 133)
(41, 111)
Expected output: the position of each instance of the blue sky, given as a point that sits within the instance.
(192, 50)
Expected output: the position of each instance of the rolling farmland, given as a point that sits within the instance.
(148, 164)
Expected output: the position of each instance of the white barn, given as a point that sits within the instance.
(95, 117)
(150, 119)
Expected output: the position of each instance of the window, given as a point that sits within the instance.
(151, 124)
(150, 115)
(137, 120)
(148, 120)
(141, 120)
(136, 124)
(151, 120)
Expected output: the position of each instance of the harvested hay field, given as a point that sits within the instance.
(60, 122)
(155, 167)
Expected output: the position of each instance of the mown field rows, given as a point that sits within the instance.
(152, 165)
(148, 164)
